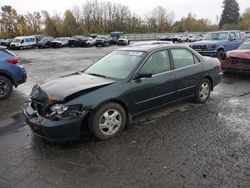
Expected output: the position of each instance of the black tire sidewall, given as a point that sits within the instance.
(220, 54)
(9, 85)
(95, 116)
(197, 94)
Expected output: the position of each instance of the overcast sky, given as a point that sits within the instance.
(201, 8)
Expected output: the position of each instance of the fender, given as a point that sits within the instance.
(9, 76)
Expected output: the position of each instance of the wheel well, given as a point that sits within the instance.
(211, 81)
(7, 76)
(220, 49)
(116, 101)
(123, 105)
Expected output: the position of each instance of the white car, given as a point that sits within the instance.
(60, 42)
(23, 42)
(88, 41)
(123, 40)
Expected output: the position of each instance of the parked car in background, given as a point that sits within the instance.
(60, 42)
(195, 38)
(103, 40)
(23, 42)
(76, 41)
(38, 38)
(123, 40)
(115, 36)
(7, 42)
(237, 61)
(88, 41)
(2, 42)
(11, 72)
(45, 42)
(111, 92)
(184, 38)
(92, 35)
(217, 43)
(176, 38)
(165, 38)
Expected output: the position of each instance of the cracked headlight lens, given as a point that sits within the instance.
(61, 111)
(59, 108)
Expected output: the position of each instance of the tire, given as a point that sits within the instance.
(21, 48)
(203, 91)
(104, 124)
(220, 54)
(6, 87)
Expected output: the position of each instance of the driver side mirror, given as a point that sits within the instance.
(143, 74)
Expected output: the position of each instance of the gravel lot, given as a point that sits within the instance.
(181, 145)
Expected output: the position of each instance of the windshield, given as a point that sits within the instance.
(117, 65)
(16, 40)
(216, 36)
(245, 46)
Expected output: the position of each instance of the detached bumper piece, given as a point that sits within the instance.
(52, 130)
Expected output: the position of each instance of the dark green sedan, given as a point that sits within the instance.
(111, 92)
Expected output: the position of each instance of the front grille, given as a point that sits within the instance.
(199, 47)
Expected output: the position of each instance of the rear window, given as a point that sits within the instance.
(5, 51)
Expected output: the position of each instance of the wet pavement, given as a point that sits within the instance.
(181, 145)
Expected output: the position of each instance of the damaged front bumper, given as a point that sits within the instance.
(53, 130)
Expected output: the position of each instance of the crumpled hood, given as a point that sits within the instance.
(58, 89)
(241, 54)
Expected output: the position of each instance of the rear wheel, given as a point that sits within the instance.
(6, 87)
(107, 121)
(203, 91)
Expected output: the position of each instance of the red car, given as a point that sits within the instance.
(237, 61)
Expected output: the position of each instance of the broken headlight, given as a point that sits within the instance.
(61, 111)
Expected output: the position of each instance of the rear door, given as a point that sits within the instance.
(188, 71)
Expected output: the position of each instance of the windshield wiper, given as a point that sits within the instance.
(98, 75)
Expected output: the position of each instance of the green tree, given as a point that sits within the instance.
(230, 13)
(70, 26)
(52, 24)
(245, 19)
(9, 21)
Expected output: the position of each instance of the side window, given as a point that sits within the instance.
(158, 62)
(22, 41)
(232, 36)
(183, 58)
(238, 35)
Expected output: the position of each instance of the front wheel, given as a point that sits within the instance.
(220, 54)
(6, 87)
(107, 121)
(203, 91)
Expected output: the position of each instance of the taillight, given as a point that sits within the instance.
(13, 60)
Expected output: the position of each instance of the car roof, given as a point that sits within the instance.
(150, 48)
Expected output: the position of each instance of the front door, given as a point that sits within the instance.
(147, 93)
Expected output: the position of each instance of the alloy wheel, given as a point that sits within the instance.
(204, 91)
(4, 88)
(110, 122)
